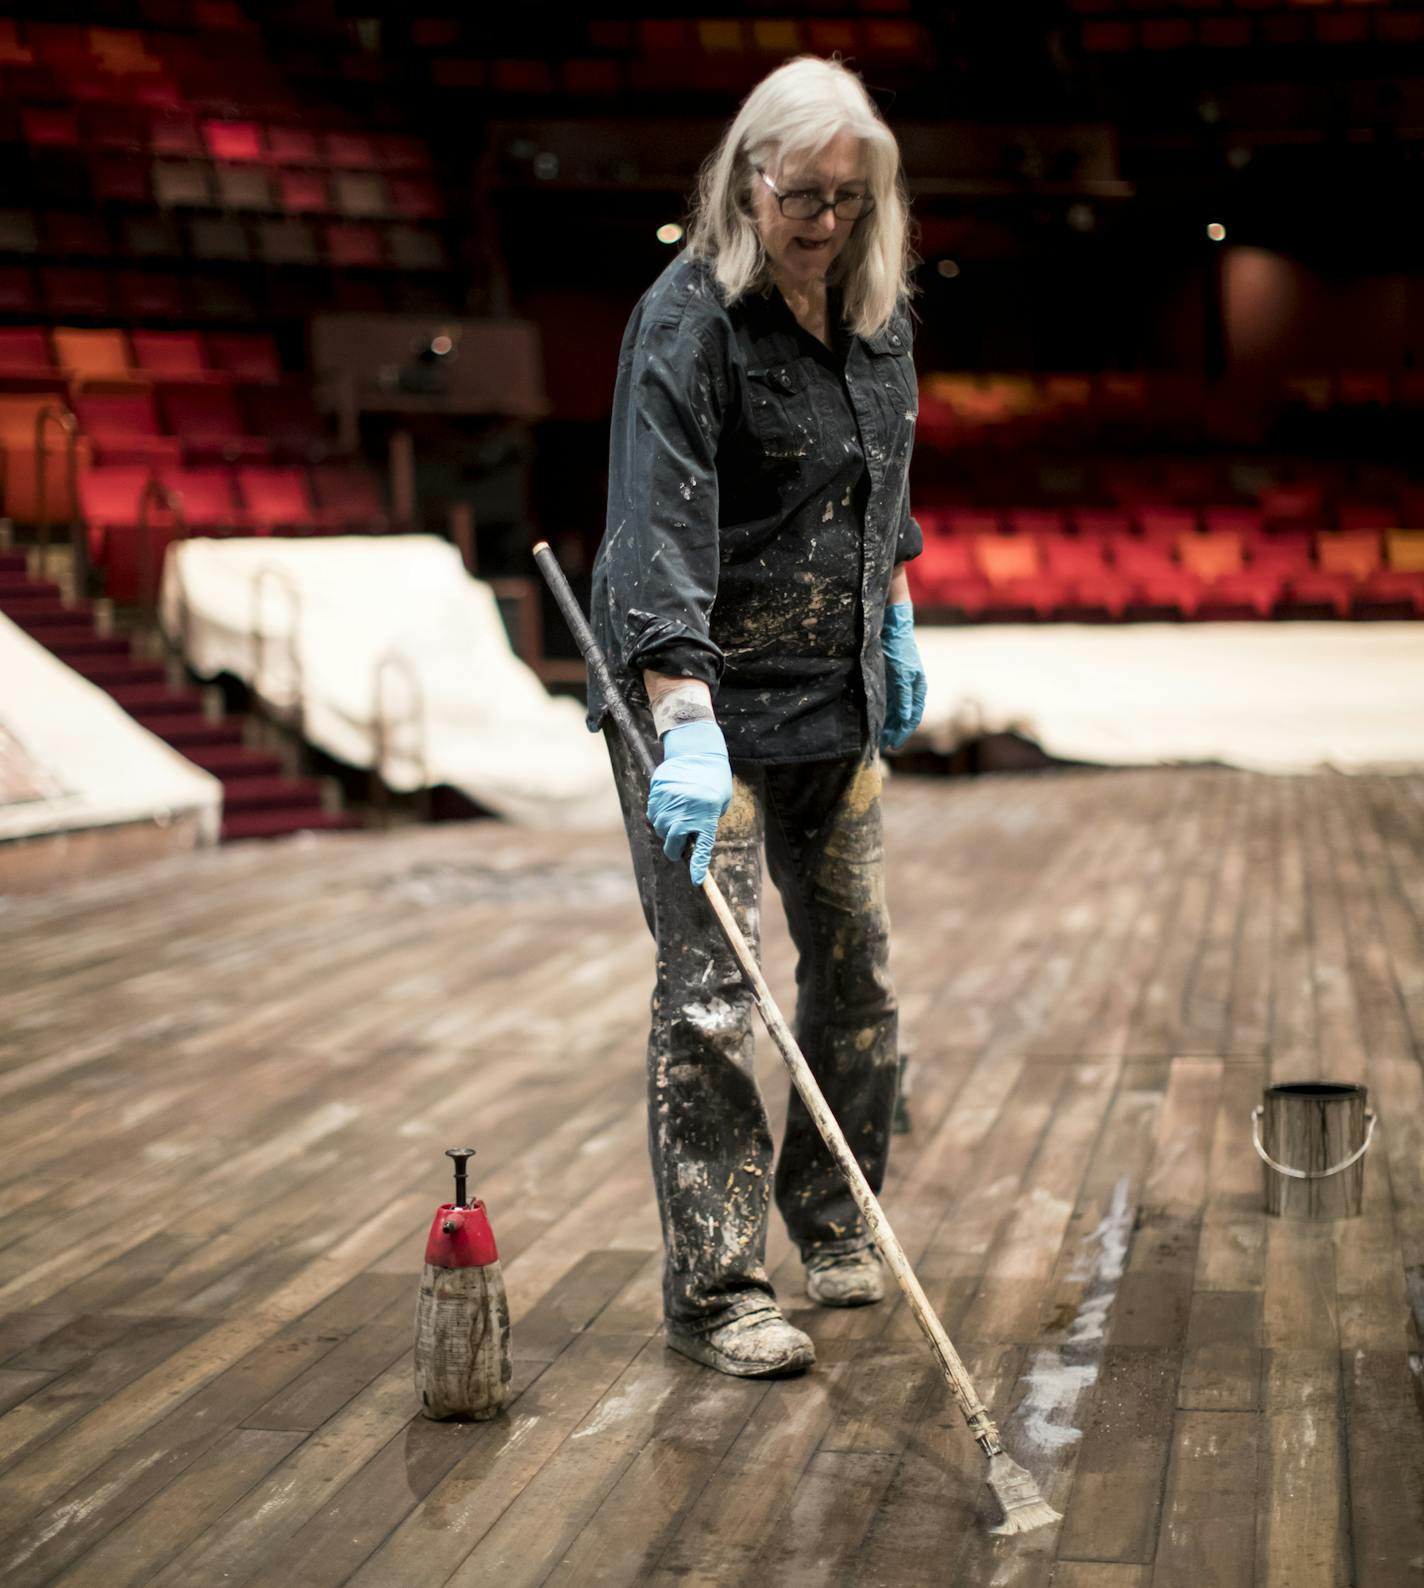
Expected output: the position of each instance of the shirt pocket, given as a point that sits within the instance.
(781, 414)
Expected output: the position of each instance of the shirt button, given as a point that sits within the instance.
(895, 341)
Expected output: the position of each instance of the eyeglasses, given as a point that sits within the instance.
(807, 206)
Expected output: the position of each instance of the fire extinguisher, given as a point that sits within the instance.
(462, 1364)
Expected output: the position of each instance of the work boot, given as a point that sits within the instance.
(756, 1345)
(845, 1279)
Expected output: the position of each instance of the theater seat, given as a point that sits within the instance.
(245, 355)
(89, 356)
(123, 428)
(19, 483)
(349, 495)
(170, 355)
(207, 421)
(277, 498)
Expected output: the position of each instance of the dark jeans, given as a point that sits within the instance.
(708, 1134)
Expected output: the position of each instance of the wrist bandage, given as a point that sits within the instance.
(677, 707)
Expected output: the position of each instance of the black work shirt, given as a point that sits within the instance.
(758, 501)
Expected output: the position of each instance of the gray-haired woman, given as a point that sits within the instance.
(750, 595)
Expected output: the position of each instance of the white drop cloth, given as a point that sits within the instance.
(89, 763)
(1269, 697)
(489, 727)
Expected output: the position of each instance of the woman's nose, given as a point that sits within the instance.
(827, 219)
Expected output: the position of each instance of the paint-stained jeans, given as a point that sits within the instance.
(708, 1134)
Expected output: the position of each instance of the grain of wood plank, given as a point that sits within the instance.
(1206, 997)
(358, 1518)
(133, 1553)
(1115, 1503)
(504, 1458)
(1248, 1024)
(1302, 1534)
(1099, 1574)
(1385, 1432)
(1222, 1369)
(1209, 1519)
(1295, 1051)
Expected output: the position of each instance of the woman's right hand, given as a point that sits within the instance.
(689, 793)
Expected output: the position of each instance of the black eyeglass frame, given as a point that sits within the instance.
(867, 200)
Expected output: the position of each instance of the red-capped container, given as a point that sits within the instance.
(462, 1361)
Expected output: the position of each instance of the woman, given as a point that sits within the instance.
(750, 596)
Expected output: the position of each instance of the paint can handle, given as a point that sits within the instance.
(1310, 1174)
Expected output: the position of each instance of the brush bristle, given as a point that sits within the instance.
(1023, 1506)
(1024, 1518)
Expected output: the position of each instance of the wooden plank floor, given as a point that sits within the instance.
(228, 1080)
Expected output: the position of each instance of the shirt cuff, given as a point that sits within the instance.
(910, 542)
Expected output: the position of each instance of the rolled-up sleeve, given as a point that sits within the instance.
(663, 552)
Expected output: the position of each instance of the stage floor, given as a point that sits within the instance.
(228, 1080)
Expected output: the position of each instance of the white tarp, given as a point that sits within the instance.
(79, 760)
(1268, 697)
(329, 609)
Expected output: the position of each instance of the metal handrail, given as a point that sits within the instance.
(52, 413)
(155, 491)
(396, 661)
(285, 581)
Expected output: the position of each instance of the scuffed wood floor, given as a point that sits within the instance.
(228, 1081)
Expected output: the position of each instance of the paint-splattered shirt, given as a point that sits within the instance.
(758, 501)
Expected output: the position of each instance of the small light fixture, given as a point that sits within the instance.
(441, 344)
(1216, 231)
(671, 233)
(948, 269)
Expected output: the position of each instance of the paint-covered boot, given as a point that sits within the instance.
(845, 1279)
(756, 1345)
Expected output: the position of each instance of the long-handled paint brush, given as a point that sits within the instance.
(1012, 1486)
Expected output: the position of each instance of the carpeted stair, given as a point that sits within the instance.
(259, 801)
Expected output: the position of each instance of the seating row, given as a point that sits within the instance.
(239, 189)
(1277, 509)
(1259, 32)
(338, 245)
(179, 135)
(56, 357)
(1211, 575)
(273, 422)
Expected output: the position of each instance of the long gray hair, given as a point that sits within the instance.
(796, 111)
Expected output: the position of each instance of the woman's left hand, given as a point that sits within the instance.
(905, 683)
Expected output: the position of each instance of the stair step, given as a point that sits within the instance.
(277, 824)
(234, 760)
(19, 587)
(46, 614)
(70, 643)
(183, 731)
(151, 699)
(270, 793)
(111, 672)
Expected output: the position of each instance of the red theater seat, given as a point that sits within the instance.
(276, 498)
(92, 355)
(234, 140)
(176, 137)
(25, 356)
(17, 290)
(1157, 581)
(110, 499)
(208, 422)
(83, 294)
(416, 200)
(349, 495)
(150, 295)
(353, 150)
(292, 146)
(353, 247)
(207, 499)
(246, 355)
(1355, 554)
(304, 193)
(288, 418)
(123, 428)
(171, 355)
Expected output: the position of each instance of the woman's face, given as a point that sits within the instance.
(801, 252)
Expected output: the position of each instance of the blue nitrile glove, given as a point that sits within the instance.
(904, 676)
(689, 792)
